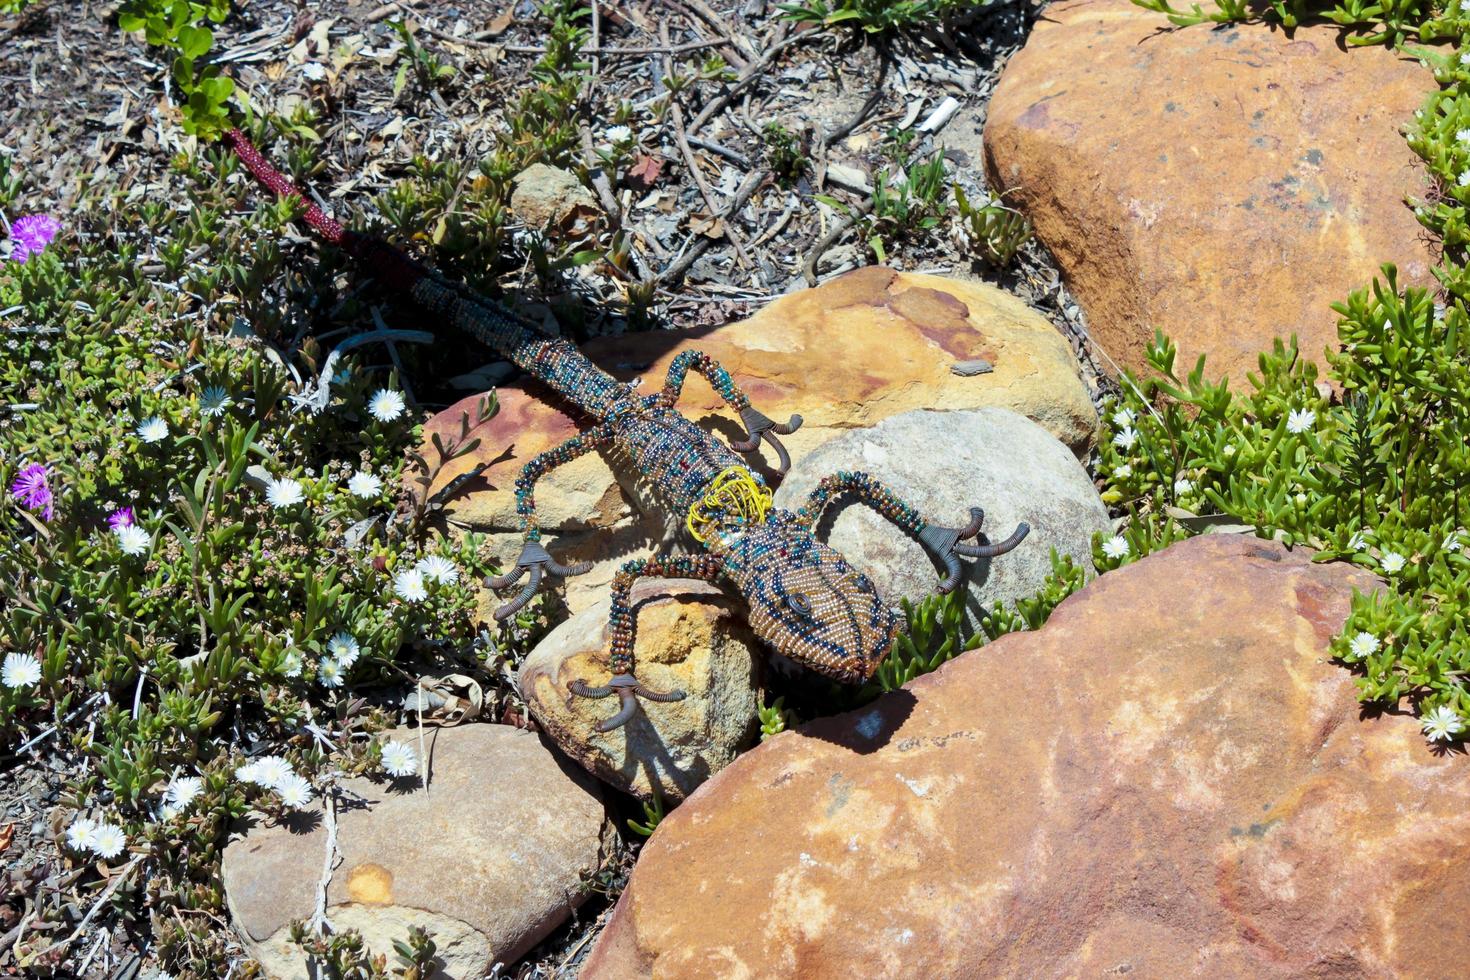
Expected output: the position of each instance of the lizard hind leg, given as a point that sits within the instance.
(757, 426)
(622, 624)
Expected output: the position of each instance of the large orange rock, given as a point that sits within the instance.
(850, 353)
(1169, 779)
(1223, 184)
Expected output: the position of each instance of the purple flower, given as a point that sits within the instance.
(120, 518)
(31, 490)
(29, 235)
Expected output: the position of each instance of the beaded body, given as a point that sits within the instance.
(804, 599)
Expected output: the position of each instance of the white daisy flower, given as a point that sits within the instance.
(1357, 542)
(1392, 562)
(1452, 541)
(1116, 547)
(270, 770)
(1442, 723)
(1124, 418)
(329, 673)
(1463, 135)
(284, 493)
(20, 670)
(313, 71)
(214, 400)
(295, 791)
(1125, 438)
(1124, 470)
(82, 834)
(248, 773)
(152, 429)
(439, 569)
(399, 759)
(1183, 485)
(617, 134)
(1300, 420)
(132, 539)
(409, 584)
(386, 405)
(343, 648)
(1463, 180)
(1363, 645)
(365, 485)
(291, 663)
(108, 840)
(182, 791)
(1229, 450)
(1465, 58)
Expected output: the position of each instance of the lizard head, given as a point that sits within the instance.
(809, 603)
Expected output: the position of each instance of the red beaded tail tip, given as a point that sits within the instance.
(260, 168)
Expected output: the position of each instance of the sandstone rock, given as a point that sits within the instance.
(1169, 779)
(1223, 184)
(545, 196)
(487, 858)
(692, 638)
(944, 463)
(847, 354)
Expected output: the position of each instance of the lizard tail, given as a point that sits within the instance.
(382, 260)
(553, 360)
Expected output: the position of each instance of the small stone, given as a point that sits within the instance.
(1170, 778)
(548, 197)
(944, 463)
(968, 369)
(489, 859)
(691, 637)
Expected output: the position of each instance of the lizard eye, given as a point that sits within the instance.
(799, 603)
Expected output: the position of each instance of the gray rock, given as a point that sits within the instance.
(488, 858)
(692, 638)
(943, 463)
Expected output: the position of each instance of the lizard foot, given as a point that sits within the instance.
(629, 690)
(758, 427)
(948, 544)
(538, 562)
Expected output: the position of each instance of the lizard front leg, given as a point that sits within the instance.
(534, 558)
(945, 543)
(757, 426)
(623, 628)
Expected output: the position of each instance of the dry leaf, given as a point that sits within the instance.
(501, 22)
(644, 172)
(445, 701)
(710, 226)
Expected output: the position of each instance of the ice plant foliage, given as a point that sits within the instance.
(1379, 477)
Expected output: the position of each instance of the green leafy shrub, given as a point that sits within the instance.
(937, 629)
(177, 25)
(876, 16)
(1379, 477)
(1369, 465)
(998, 232)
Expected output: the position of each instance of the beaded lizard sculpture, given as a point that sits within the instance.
(804, 598)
